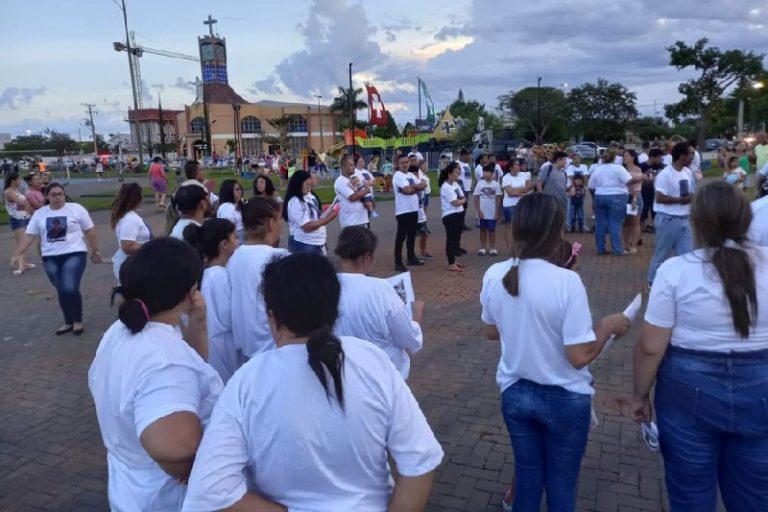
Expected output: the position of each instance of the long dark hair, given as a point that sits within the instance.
(269, 187)
(294, 189)
(537, 229)
(445, 171)
(206, 238)
(155, 279)
(227, 193)
(313, 278)
(128, 199)
(719, 213)
(10, 178)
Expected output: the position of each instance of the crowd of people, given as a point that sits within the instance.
(243, 376)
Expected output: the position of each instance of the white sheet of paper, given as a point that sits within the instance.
(403, 286)
(630, 312)
(632, 210)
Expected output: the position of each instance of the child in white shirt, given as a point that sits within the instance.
(488, 206)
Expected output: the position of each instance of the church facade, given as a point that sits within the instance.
(221, 121)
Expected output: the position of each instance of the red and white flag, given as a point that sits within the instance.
(378, 113)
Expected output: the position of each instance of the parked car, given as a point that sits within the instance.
(714, 144)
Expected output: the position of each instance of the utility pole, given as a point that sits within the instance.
(90, 106)
(131, 55)
(538, 110)
(351, 109)
(320, 121)
(162, 123)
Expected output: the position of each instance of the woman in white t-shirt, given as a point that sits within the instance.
(216, 241)
(541, 314)
(130, 229)
(311, 424)
(514, 184)
(151, 386)
(18, 209)
(263, 226)
(65, 232)
(231, 204)
(610, 181)
(370, 308)
(452, 201)
(705, 344)
(305, 218)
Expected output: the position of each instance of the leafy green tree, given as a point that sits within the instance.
(538, 108)
(601, 111)
(469, 112)
(341, 103)
(650, 128)
(717, 71)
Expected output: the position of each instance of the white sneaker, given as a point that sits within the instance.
(481, 252)
(493, 252)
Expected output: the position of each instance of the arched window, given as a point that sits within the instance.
(297, 124)
(250, 124)
(197, 125)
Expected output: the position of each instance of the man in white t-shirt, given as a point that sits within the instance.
(675, 186)
(407, 187)
(352, 212)
(758, 230)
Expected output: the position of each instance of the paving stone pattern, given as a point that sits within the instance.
(51, 453)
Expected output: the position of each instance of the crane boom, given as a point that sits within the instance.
(166, 53)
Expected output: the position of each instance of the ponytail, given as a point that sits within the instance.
(720, 217)
(737, 273)
(325, 354)
(134, 313)
(207, 237)
(511, 280)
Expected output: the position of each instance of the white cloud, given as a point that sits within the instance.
(13, 97)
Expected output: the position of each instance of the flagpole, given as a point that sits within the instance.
(351, 110)
(418, 86)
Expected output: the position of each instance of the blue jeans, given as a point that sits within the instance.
(610, 211)
(576, 212)
(673, 234)
(548, 426)
(65, 272)
(712, 414)
(297, 247)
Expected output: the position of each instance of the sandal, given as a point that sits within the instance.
(63, 330)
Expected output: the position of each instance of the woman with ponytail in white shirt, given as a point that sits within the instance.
(312, 424)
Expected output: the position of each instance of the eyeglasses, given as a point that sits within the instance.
(55, 194)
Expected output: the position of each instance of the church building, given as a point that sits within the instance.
(220, 118)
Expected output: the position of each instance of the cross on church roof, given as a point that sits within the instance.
(210, 22)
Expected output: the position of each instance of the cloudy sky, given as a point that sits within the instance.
(57, 54)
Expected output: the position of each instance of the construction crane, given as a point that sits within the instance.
(136, 52)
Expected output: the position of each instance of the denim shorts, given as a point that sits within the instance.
(422, 228)
(489, 224)
(509, 212)
(17, 223)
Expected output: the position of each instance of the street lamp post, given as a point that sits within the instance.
(740, 113)
(538, 109)
(320, 121)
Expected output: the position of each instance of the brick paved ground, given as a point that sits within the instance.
(51, 453)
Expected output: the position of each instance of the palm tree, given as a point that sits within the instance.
(341, 104)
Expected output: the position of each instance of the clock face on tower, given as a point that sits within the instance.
(206, 51)
(219, 52)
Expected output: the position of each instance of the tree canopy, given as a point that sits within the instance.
(717, 71)
(469, 111)
(538, 108)
(341, 104)
(601, 111)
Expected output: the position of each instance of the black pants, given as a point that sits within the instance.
(649, 194)
(454, 225)
(407, 224)
(464, 213)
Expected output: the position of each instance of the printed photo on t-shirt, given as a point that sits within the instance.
(684, 188)
(56, 229)
(488, 192)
